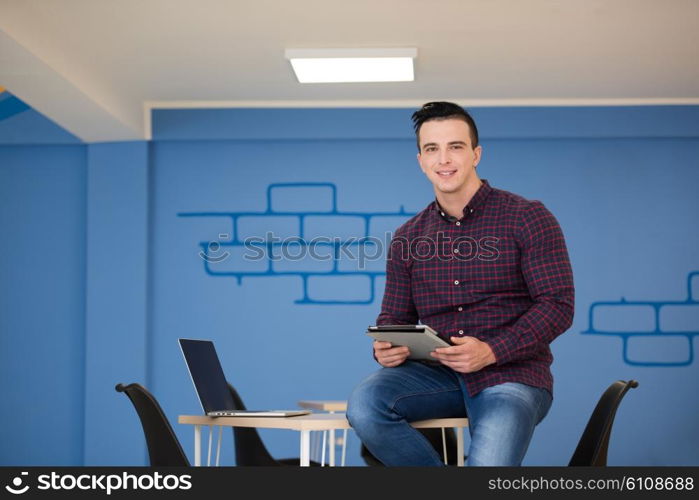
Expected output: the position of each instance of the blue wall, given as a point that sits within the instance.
(621, 181)
(42, 303)
(116, 324)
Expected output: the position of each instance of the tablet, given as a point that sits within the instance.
(421, 339)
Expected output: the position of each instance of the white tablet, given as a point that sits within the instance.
(420, 339)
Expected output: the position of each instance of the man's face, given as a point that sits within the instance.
(447, 156)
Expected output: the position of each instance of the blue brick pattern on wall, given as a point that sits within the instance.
(302, 233)
(654, 321)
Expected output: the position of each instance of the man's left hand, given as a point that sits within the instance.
(468, 354)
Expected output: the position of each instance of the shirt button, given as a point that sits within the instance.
(461, 332)
(460, 308)
(458, 223)
(456, 250)
(456, 282)
(442, 213)
(470, 210)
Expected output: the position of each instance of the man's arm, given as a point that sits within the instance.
(397, 307)
(549, 278)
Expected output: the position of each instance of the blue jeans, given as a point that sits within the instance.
(501, 418)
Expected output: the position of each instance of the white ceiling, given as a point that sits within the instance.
(97, 66)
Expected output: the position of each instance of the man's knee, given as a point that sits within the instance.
(363, 404)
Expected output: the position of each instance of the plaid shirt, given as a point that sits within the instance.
(500, 274)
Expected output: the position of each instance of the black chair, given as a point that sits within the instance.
(434, 436)
(249, 448)
(594, 442)
(164, 448)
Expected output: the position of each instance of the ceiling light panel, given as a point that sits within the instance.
(352, 65)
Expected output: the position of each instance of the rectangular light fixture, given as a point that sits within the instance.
(352, 65)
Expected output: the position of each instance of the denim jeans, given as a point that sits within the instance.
(501, 418)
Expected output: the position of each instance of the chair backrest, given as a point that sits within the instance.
(594, 442)
(164, 448)
(250, 450)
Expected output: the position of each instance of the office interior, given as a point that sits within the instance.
(142, 142)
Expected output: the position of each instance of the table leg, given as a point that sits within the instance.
(344, 446)
(444, 446)
(197, 445)
(460, 446)
(208, 456)
(305, 451)
(218, 446)
(331, 449)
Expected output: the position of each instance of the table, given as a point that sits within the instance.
(305, 424)
(331, 406)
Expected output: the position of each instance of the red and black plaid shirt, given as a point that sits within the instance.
(500, 274)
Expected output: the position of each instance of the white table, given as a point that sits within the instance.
(304, 424)
(330, 406)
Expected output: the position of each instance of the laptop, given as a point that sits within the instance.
(211, 386)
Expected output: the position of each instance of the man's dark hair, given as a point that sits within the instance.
(441, 110)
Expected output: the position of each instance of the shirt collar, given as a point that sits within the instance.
(473, 205)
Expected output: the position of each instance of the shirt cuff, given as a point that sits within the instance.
(503, 347)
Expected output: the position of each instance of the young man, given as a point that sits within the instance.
(489, 271)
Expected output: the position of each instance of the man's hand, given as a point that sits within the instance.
(467, 355)
(389, 356)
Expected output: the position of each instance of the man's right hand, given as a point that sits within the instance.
(389, 356)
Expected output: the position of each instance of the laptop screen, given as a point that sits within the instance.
(207, 375)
